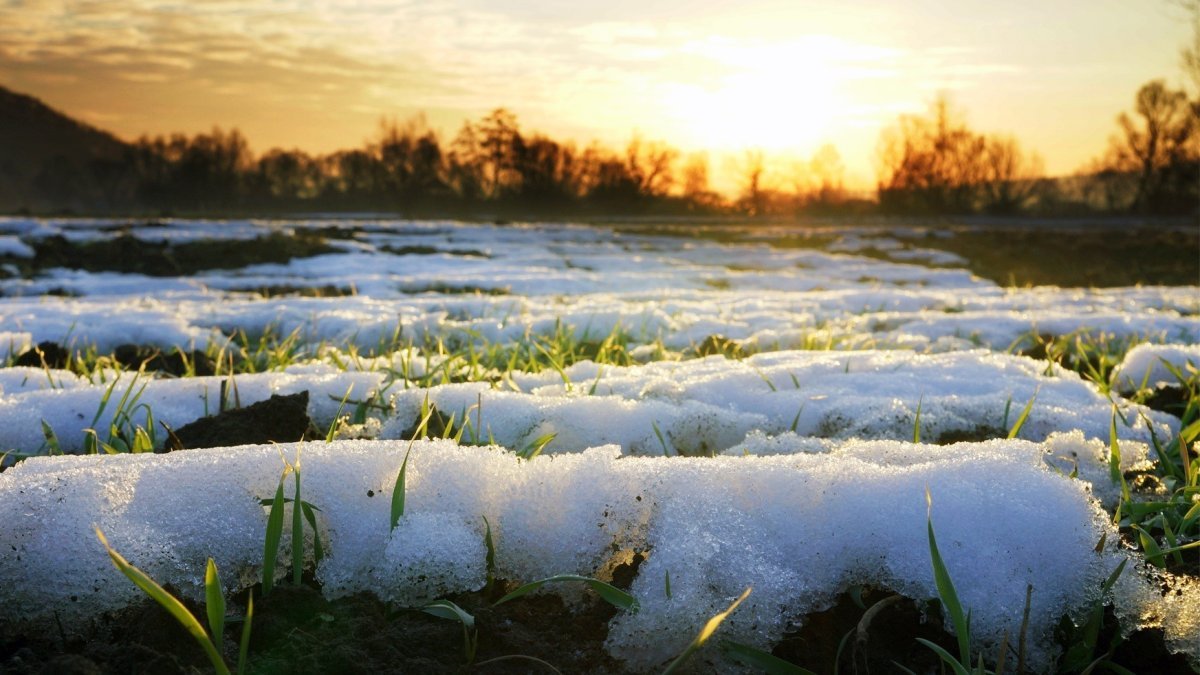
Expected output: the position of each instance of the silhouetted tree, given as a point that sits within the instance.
(1156, 147)
(1010, 179)
(649, 164)
(289, 175)
(696, 192)
(753, 196)
(930, 164)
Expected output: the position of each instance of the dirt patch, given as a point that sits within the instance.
(326, 291)
(279, 419)
(131, 255)
(175, 361)
(433, 250)
(446, 289)
(1167, 398)
(1082, 256)
(44, 355)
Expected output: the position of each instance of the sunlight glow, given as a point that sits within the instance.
(782, 97)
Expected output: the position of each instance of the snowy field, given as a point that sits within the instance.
(740, 414)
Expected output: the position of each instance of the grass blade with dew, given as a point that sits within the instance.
(611, 594)
(710, 627)
(168, 602)
(214, 603)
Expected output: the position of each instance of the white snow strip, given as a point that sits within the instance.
(798, 529)
(1146, 365)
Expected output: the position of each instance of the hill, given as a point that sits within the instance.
(46, 155)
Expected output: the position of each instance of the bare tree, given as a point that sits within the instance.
(1010, 177)
(1155, 144)
(752, 167)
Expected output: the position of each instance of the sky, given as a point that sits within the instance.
(783, 76)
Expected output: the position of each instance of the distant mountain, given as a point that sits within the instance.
(44, 153)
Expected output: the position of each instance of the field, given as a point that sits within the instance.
(838, 448)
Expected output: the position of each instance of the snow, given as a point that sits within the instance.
(799, 529)
(709, 405)
(71, 405)
(787, 471)
(1146, 365)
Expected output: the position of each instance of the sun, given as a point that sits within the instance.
(781, 97)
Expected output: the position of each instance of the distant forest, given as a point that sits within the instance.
(930, 164)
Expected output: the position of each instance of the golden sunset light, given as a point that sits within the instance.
(785, 78)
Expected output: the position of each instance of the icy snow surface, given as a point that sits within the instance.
(675, 290)
(798, 528)
(1149, 365)
(808, 491)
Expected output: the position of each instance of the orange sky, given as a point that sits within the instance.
(785, 76)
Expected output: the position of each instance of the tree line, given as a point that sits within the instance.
(926, 164)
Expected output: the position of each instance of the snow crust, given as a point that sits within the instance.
(69, 405)
(1146, 366)
(809, 489)
(798, 528)
(421, 277)
(709, 405)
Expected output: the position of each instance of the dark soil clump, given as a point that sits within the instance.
(882, 631)
(326, 291)
(44, 355)
(279, 419)
(131, 255)
(175, 362)
(1167, 398)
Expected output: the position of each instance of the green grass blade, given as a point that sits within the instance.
(311, 518)
(168, 602)
(611, 594)
(214, 603)
(297, 531)
(333, 426)
(444, 609)
(917, 422)
(710, 627)
(398, 490)
(763, 662)
(1016, 427)
(945, 587)
(271, 543)
(534, 448)
(490, 559)
(662, 441)
(1154, 554)
(51, 439)
(244, 644)
(1114, 458)
(947, 657)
